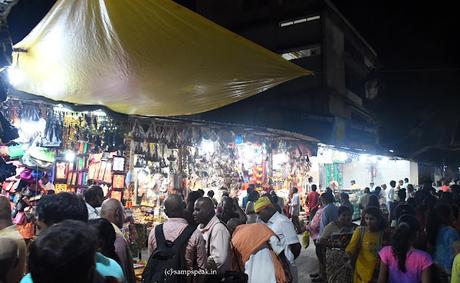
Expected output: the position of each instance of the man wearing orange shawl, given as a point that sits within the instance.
(256, 251)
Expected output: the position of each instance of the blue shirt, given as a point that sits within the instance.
(245, 203)
(444, 253)
(329, 214)
(104, 265)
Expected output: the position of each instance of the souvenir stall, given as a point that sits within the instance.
(179, 156)
(59, 149)
(139, 161)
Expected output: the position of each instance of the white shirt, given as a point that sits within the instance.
(284, 229)
(391, 194)
(259, 267)
(308, 187)
(295, 205)
(93, 213)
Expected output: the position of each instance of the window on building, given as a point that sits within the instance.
(299, 21)
(302, 53)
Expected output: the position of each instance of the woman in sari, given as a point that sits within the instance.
(335, 238)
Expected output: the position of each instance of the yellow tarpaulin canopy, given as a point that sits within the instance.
(147, 57)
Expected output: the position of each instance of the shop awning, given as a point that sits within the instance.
(150, 57)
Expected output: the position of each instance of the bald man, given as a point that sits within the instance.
(215, 234)
(113, 211)
(195, 249)
(9, 231)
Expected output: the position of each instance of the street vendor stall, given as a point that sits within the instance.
(179, 156)
(339, 167)
(141, 160)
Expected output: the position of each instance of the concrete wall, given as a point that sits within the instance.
(333, 52)
(386, 170)
(413, 179)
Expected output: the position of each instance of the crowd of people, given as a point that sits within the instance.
(79, 239)
(70, 247)
(404, 235)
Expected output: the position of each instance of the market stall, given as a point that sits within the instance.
(178, 156)
(338, 167)
(139, 161)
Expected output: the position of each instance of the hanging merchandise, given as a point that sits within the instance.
(30, 112)
(7, 131)
(15, 151)
(39, 157)
(137, 133)
(6, 170)
(53, 132)
(4, 85)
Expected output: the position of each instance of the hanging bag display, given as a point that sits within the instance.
(39, 157)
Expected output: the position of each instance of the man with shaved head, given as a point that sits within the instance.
(215, 234)
(113, 211)
(9, 231)
(195, 251)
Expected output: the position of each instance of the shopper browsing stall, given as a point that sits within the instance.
(94, 196)
(113, 211)
(173, 228)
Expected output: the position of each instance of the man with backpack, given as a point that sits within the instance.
(216, 235)
(174, 246)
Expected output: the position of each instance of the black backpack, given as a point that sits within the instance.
(168, 259)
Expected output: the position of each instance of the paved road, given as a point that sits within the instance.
(307, 263)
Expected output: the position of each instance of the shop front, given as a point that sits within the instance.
(349, 171)
(184, 156)
(139, 161)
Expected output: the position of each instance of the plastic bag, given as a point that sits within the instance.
(305, 239)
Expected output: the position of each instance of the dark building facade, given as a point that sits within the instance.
(333, 104)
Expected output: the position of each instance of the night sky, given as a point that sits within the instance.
(418, 48)
(417, 45)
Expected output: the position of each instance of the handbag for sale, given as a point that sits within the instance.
(39, 157)
(15, 151)
(20, 218)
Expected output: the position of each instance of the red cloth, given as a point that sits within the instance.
(445, 188)
(312, 200)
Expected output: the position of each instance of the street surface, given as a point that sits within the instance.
(307, 263)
